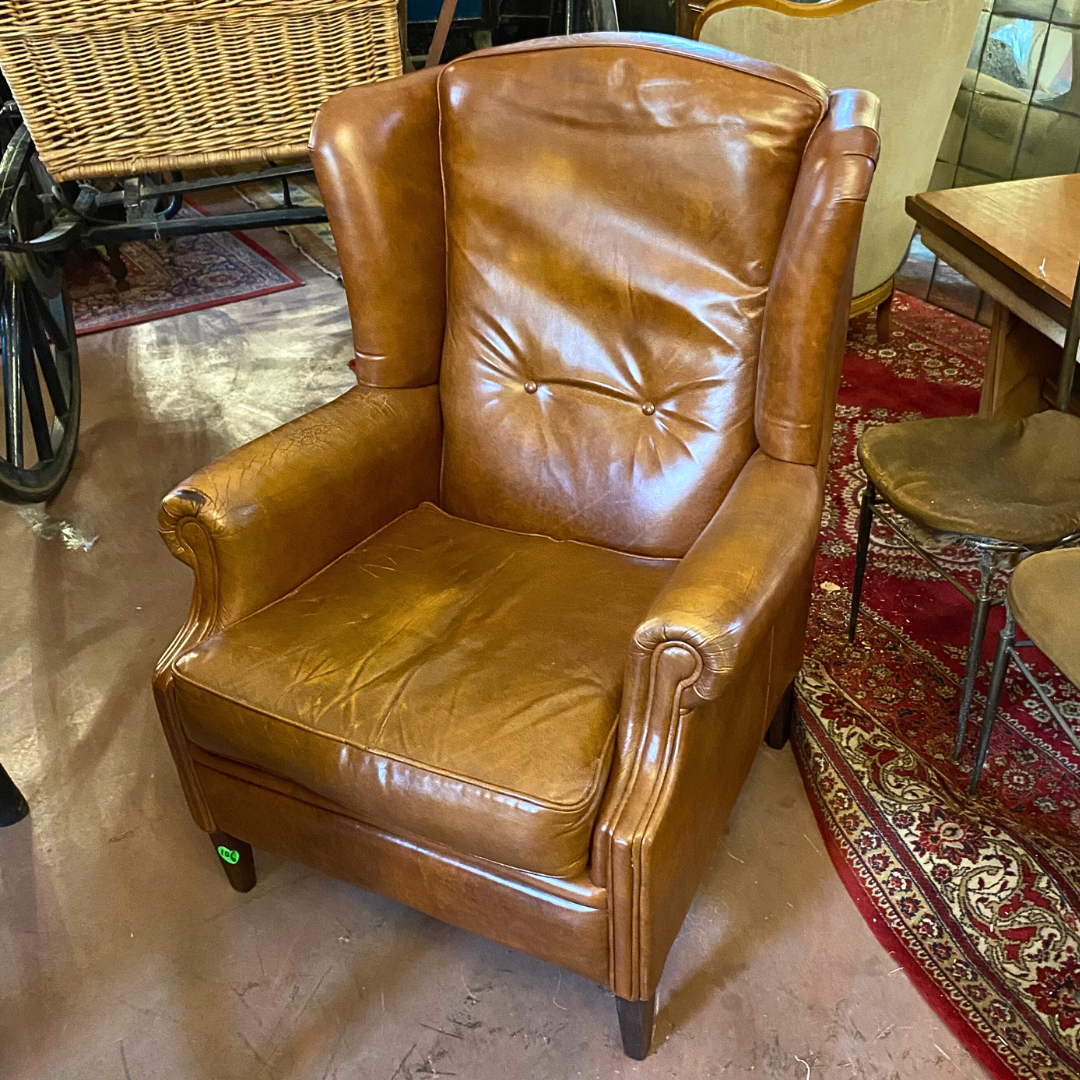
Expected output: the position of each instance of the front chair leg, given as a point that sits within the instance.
(884, 320)
(236, 859)
(979, 616)
(993, 696)
(783, 719)
(636, 1026)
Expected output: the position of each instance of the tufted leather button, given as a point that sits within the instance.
(648, 408)
(530, 387)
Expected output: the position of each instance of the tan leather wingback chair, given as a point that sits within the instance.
(498, 632)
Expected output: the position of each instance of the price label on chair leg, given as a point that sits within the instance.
(231, 856)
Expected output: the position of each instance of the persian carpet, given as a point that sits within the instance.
(169, 277)
(315, 242)
(978, 899)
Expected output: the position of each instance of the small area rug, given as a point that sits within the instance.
(977, 899)
(169, 277)
(315, 242)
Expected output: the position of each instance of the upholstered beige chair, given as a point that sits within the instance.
(910, 53)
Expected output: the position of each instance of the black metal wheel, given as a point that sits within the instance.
(41, 396)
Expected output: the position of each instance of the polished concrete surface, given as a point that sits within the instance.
(123, 952)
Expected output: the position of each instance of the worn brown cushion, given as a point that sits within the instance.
(1045, 596)
(452, 681)
(1017, 481)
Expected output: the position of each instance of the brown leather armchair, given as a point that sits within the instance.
(498, 633)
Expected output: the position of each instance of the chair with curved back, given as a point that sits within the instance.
(498, 632)
(909, 53)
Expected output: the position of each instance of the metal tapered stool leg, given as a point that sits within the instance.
(993, 696)
(12, 804)
(976, 638)
(866, 523)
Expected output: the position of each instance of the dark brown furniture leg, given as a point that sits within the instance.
(636, 1026)
(884, 320)
(237, 860)
(783, 719)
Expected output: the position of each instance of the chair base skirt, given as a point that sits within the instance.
(475, 897)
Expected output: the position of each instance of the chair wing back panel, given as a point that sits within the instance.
(375, 149)
(909, 53)
(613, 212)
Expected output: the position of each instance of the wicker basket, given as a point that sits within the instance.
(109, 87)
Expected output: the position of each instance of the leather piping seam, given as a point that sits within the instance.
(617, 816)
(489, 867)
(676, 559)
(209, 618)
(658, 47)
(560, 808)
(446, 270)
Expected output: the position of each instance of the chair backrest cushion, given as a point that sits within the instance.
(613, 208)
(910, 53)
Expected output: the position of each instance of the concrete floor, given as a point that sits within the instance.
(123, 952)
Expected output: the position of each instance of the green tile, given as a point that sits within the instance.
(1058, 84)
(942, 176)
(972, 178)
(1010, 60)
(1025, 9)
(993, 135)
(1050, 146)
(1067, 12)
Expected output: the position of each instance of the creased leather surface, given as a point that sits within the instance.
(375, 149)
(735, 580)
(649, 247)
(456, 681)
(500, 906)
(612, 218)
(261, 520)
(812, 277)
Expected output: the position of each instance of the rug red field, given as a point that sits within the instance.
(978, 899)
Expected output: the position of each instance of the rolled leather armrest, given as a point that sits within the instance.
(729, 587)
(261, 520)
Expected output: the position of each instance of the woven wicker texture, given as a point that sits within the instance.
(109, 87)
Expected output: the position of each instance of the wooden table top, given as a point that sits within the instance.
(1031, 228)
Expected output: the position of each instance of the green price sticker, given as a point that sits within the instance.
(227, 853)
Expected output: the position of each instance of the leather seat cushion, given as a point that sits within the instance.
(1043, 593)
(446, 680)
(1017, 481)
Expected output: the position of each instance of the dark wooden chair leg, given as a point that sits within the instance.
(993, 696)
(862, 550)
(636, 1026)
(12, 804)
(783, 720)
(237, 860)
(884, 320)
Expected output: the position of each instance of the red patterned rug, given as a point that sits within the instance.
(170, 277)
(978, 899)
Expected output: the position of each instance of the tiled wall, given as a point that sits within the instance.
(1018, 111)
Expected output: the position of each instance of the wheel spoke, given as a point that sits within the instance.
(39, 423)
(12, 380)
(34, 318)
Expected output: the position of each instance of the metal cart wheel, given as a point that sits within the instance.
(41, 392)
